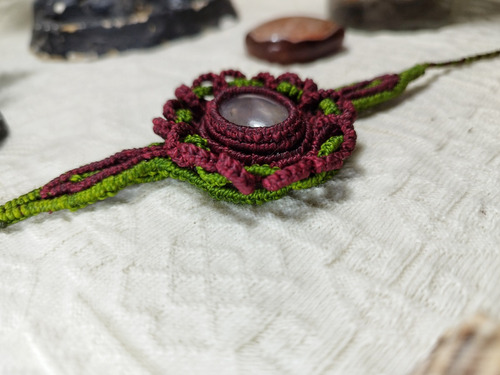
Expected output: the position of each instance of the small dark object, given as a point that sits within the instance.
(3, 128)
(391, 14)
(294, 39)
(95, 27)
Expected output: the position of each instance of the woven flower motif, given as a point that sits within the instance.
(235, 163)
(232, 162)
(253, 165)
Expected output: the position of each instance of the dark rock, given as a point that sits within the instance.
(294, 39)
(95, 27)
(391, 14)
(3, 128)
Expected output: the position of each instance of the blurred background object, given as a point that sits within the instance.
(3, 127)
(15, 15)
(392, 14)
(471, 348)
(95, 27)
(294, 39)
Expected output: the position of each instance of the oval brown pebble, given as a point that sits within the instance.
(294, 39)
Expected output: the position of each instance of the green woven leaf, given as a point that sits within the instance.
(331, 145)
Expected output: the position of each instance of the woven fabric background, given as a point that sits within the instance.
(357, 276)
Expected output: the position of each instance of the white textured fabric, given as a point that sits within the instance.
(357, 276)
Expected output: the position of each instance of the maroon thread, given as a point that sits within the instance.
(277, 145)
(235, 172)
(360, 90)
(311, 163)
(110, 166)
(292, 145)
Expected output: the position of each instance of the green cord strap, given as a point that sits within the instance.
(32, 204)
(404, 79)
(157, 169)
(368, 101)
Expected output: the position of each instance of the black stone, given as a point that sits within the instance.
(96, 27)
(3, 128)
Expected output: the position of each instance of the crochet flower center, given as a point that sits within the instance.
(253, 110)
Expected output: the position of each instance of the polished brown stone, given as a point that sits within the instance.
(294, 39)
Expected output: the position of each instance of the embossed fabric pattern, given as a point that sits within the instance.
(359, 275)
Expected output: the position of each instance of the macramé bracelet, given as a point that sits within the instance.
(255, 141)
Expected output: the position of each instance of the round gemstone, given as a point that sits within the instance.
(253, 110)
(294, 30)
(294, 39)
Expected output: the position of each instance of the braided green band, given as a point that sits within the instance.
(156, 169)
(404, 79)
